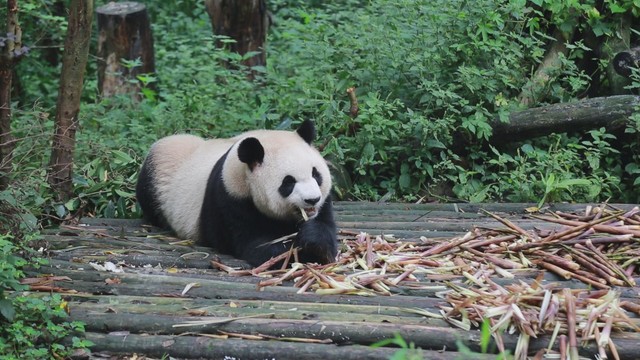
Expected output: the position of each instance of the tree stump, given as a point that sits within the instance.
(246, 22)
(124, 34)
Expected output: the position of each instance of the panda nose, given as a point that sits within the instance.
(312, 201)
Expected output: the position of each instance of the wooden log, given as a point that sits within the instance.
(280, 310)
(442, 225)
(343, 332)
(139, 260)
(512, 208)
(339, 332)
(124, 34)
(306, 306)
(611, 112)
(243, 288)
(196, 347)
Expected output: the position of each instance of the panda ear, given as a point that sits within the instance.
(251, 152)
(307, 131)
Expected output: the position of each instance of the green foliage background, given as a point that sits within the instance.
(430, 75)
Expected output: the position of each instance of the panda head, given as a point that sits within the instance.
(280, 171)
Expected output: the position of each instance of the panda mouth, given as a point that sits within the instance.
(308, 213)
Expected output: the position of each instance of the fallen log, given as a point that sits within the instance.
(94, 282)
(343, 332)
(338, 332)
(202, 347)
(197, 309)
(610, 112)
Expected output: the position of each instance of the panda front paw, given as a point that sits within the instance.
(318, 242)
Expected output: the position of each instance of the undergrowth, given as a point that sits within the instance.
(430, 77)
(32, 327)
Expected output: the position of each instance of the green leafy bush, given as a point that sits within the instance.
(429, 80)
(31, 327)
(430, 77)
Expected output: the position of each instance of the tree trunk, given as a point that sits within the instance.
(246, 22)
(12, 50)
(124, 33)
(533, 91)
(74, 63)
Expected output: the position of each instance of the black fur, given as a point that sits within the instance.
(236, 227)
(251, 152)
(316, 175)
(307, 131)
(287, 185)
(147, 196)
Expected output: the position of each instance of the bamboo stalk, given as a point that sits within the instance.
(449, 245)
(570, 309)
(510, 225)
(496, 240)
(503, 263)
(557, 260)
(610, 264)
(592, 265)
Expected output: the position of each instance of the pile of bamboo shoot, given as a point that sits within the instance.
(600, 248)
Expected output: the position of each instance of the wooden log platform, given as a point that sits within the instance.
(140, 290)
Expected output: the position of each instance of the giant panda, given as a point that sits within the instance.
(237, 195)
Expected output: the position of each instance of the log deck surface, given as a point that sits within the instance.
(135, 311)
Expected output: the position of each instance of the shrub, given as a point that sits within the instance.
(430, 76)
(31, 327)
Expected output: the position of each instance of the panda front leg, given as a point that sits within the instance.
(317, 237)
(260, 250)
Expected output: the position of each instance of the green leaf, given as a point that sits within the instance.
(481, 195)
(124, 194)
(616, 9)
(110, 210)
(527, 148)
(7, 310)
(121, 157)
(72, 204)
(404, 181)
(435, 143)
(368, 151)
(61, 210)
(485, 336)
(572, 182)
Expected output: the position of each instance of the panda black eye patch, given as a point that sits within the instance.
(286, 188)
(316, 175)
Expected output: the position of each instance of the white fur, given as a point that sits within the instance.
(183, 164)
